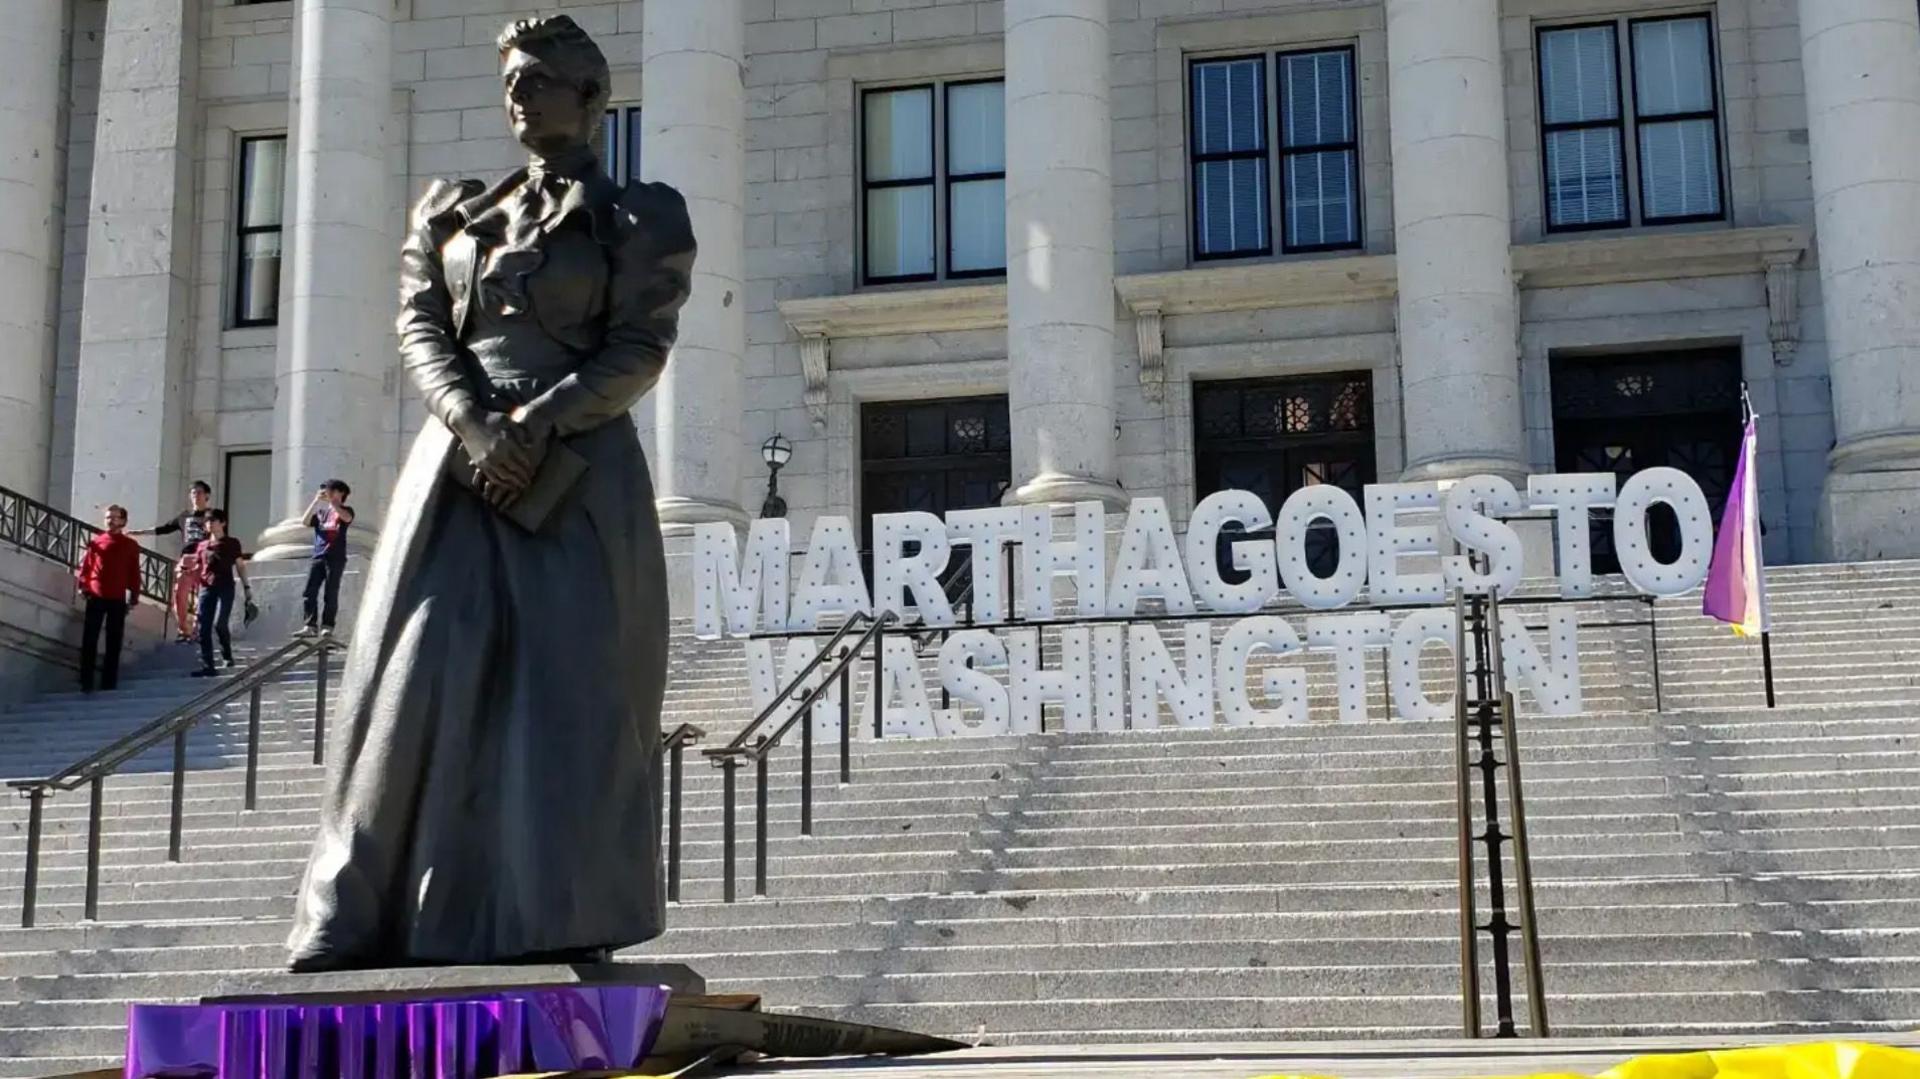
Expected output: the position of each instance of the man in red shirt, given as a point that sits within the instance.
(109, 578)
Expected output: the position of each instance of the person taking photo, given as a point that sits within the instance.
(329, 516)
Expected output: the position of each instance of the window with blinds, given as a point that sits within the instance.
(933, 181)
(1651, 140)
(1236, 145)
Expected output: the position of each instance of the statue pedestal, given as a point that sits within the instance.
(478, 1022)
(412, 985)
(439, 1022)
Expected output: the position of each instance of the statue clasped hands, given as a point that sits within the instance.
(506, 449)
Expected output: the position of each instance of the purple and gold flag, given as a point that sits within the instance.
(1736, 591)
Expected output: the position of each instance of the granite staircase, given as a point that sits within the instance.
(1718, 867)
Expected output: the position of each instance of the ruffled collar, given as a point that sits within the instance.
(511, 220)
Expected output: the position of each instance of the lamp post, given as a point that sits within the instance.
(776, 452)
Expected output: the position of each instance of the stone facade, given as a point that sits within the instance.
(1457, 299)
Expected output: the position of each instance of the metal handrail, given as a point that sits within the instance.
(1477, 619)
(1522, 850)
(747, 733)
(35, 527)
(674, 746)
(175, 723)
(730, 757)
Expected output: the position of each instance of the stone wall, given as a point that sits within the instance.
(806, 60)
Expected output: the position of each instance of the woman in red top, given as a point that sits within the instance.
(109, 578)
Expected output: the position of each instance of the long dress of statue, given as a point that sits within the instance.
(495, 794)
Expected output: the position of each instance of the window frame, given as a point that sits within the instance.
(625, 119)
(1626, 61)
(946, 179)
(1282, 152)
(1715, 98)
(227, 457)
(1629, 188)
(242, 232)
(936, 160)
(1195, 158)
(1275, 152)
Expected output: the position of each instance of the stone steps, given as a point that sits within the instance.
(1722, 867)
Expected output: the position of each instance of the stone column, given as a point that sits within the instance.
(336, 342)
(1452, 227)
(1861, 60)
(33, 37)
(130, 410)
(694, 117)
(1060, 251)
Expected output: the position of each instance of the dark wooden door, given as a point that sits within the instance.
(1621, 414)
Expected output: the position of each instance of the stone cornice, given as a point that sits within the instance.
(919, 310)
(1657, 256)
(1249, 285)
(1774, 251)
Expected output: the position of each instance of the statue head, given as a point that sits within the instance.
(556, 82)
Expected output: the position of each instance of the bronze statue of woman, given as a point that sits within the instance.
(495, 792)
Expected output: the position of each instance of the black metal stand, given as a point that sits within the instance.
(1483, 711)
(1766, 661)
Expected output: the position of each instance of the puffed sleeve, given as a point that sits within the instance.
(649, 277)
(428, 350)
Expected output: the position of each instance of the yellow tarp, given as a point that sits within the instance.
(1823, 1060)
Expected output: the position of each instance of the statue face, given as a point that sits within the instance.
(547, 113)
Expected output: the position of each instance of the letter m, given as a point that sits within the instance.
(726, 592)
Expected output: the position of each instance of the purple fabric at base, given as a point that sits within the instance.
(473, 1036)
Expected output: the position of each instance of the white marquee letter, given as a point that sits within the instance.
(1637, 495)
(723, 591)
(1285, 684)
(1032, 686)
(1109, 678)
(830, 577)
(1348, 636)
(903, 688)
(1152, 674)
(1084, 558)
(1471, 507)
(1249, 556)
(1390, 540)
(1322, 502)
(986, 532)
(1556, 685)
(1149, 563)
(1410, 638)
(1571, 495)
(961, 658)
(764, 681)
(902, 583)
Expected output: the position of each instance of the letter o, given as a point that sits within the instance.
(1637, 496)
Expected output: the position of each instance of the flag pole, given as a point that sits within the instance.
(1735, 590)
(1766, 661)
(1766, 624)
